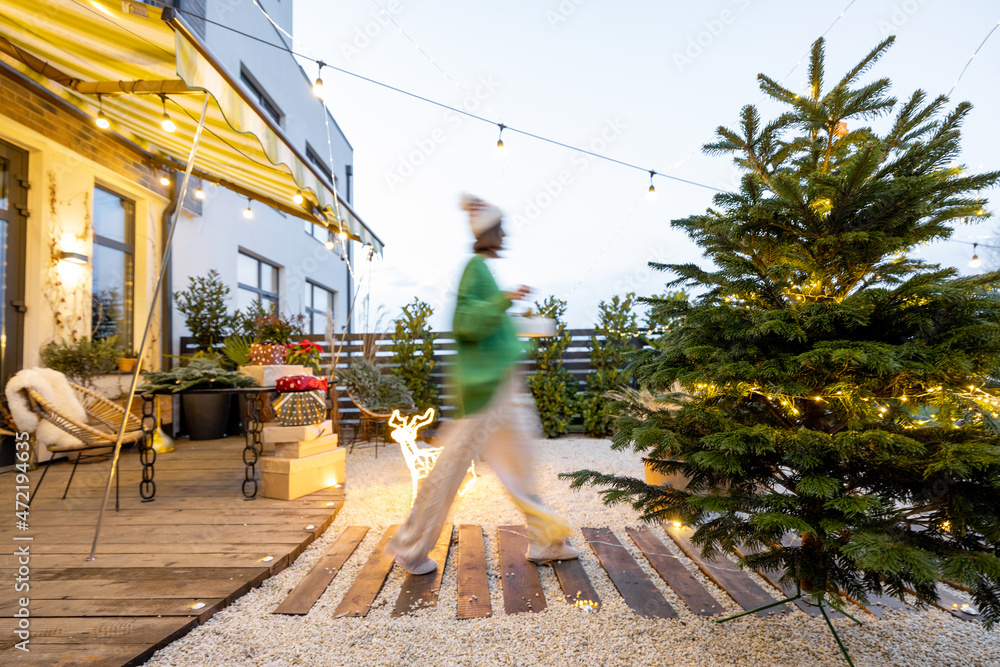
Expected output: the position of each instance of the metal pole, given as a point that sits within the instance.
(149, 320)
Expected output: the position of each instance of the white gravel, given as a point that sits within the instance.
(247, 633)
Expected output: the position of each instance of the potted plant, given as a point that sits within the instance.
(127, 361)
(305, 353)
(270, 333)
(204, 414)
(83, 360)
(203, 305)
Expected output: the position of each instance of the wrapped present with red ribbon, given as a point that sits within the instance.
(292, 383)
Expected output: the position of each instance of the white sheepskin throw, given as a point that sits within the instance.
(54, 388)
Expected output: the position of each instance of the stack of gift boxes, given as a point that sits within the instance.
(301, 452)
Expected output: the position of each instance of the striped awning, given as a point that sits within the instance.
(127, 58)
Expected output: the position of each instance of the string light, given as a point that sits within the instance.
(652, 188)
(298, 198)
(199, 193)
(101, 121)
(330, 244)
(167, 124)
(248, 214)
(975, 261)
(500, 138)
(164, 180)
(342, 235)
(318, 90)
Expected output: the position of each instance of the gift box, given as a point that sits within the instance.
(268, 354)
(300, 383)
(301, 408)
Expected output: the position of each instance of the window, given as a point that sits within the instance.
(318, 302)
(319, 233)
(257, 280)
(256, 90)
(319, 162)
(114, 262)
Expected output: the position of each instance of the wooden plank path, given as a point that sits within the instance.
(522, 590)
(639, 593)
(674, 573)
(473, 584)
(359, 597)
(421, 590)
(575, 584)
(162, 568)
(305, 594)
(724, 573)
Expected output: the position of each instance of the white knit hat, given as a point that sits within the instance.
(483, 216)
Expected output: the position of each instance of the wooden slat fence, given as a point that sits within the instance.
(576, 359)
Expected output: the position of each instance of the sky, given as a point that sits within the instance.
(642, 82)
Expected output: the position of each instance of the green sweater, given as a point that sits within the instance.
(487, 344)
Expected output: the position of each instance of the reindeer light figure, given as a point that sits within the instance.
(419, 460)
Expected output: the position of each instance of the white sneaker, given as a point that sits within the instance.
(561, 550)
(425, 566)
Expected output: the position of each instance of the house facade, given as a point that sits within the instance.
(86, 205)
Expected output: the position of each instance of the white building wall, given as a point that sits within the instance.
(214, 239)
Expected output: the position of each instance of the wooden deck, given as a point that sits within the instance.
(162, 567)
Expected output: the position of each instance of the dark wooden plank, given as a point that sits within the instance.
(522, 590)
(119, 588)
(160, 517)
(724, 573)
(639, 593)
(173, 534)
(97, 630)
(420, 591)
(362, 593)
(473, 584)
(138, 607)
(575, 584)
(674, 573)
(788, 590)
(67, 655)
(305, 594)
(952, 604)
(153, 560)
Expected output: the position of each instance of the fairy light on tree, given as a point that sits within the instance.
(832, 386)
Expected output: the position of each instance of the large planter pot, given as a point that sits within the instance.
(675, 481)
(206, 415)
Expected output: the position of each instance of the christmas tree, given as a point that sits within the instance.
(820, 380)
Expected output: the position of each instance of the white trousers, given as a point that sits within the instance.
(500, 434)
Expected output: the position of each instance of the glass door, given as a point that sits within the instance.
(13, 229)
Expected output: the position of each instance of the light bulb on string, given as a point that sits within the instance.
(167, 124)
(318, 89)
(249, 212)
(330, 244)
(101, 121)
(164, 180)
(298, 198)
(199, 193)
(975, 262)
(651, 196)
(342, 235)
(500, 138)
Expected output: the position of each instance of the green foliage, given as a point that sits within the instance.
(83, 360)
(377, 391)
(831, 383)
(552, 386)
(200, 373)
(616, 329)
(267, 325)
(413, 354)
(203, 305)
(237, 349)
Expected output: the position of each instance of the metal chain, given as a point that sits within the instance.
(147, 455)
(253, 428)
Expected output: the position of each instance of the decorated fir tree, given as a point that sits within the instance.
(822, 381)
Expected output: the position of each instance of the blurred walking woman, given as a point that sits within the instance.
(497, 420)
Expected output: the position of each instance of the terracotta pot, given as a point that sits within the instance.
(268, 354)
(127, 364)
(654, 478)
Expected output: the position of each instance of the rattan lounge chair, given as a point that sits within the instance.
(101, 434)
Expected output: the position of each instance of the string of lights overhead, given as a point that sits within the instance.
(319, 89)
